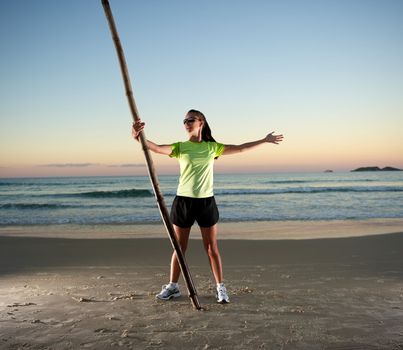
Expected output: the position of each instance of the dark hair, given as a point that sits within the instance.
(206, 131)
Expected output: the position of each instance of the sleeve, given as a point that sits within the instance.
(175, 150)
(219, 149)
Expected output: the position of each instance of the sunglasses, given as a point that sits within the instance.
(189, 120)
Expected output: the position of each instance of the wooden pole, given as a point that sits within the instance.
(150, 165)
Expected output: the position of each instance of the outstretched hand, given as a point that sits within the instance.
(274, 138)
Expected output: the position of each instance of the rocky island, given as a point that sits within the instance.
(376, 168)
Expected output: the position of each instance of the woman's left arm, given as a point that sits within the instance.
(270, 138)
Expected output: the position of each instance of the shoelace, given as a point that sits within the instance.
(222, 290)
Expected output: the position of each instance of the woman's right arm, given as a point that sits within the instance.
(137, 128)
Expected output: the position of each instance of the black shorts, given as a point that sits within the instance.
(186, 210)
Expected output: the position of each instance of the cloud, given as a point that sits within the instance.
(67, 165)
(86, 165)
(128, 165)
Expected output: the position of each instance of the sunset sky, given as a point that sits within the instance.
(326, 74)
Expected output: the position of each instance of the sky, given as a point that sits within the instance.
(328, 75)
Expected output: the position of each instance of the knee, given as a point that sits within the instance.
(212, 250)
(183, 245)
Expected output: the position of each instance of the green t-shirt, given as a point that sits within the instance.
(196, 160)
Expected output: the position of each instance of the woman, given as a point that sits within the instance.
(195, 198)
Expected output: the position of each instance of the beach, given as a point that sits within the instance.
(285, 115)
(287, 291)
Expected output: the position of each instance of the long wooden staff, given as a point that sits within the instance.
(150, 165)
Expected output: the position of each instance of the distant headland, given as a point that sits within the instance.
(376, 168)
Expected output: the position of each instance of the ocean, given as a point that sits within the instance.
(240, 197)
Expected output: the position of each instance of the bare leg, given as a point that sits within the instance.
(209, 235)
(182, 234)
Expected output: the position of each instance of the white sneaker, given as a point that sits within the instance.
(168, 292)
(222, 295)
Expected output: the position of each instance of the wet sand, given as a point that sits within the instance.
(335, 293)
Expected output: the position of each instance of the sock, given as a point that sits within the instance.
(173, 285)
(220, 285)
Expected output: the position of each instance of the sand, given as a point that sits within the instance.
(334, 293)
(254, 230)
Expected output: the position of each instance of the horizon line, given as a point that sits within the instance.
(177, 174)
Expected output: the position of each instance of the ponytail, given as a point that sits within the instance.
(206, 132)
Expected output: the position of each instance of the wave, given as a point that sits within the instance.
(54, 183)
(315, 181)
(36, 206)
(306, 190)
(288, 181)
(112, 220)
(133, 193)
